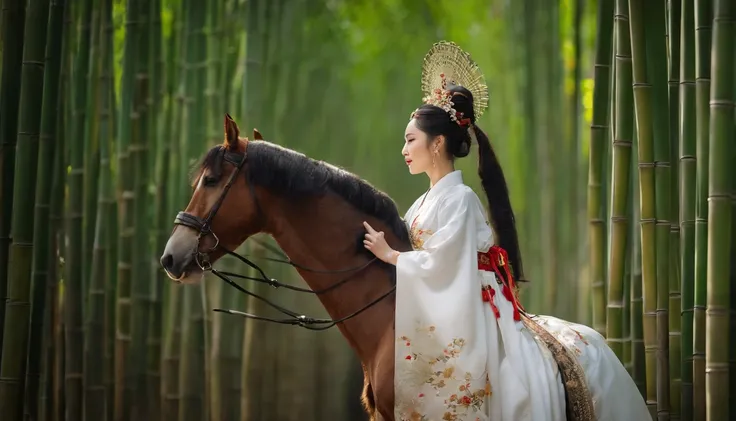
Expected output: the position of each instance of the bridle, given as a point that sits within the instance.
(202, 258)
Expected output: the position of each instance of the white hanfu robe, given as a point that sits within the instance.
(455, 359)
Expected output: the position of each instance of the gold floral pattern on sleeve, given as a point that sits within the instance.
(418, 236)
(438, 374)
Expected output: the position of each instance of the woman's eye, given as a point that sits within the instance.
(210, 181)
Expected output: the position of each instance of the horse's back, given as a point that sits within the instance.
(613, 391)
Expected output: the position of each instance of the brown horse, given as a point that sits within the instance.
(315, 212)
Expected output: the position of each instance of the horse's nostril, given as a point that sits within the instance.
(167, 260)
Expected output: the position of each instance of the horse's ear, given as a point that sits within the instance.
(257, 134)
(231, 132)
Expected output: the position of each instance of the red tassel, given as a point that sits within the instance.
(493, 304)
(492, 261)
(485, 295)
(488, 294)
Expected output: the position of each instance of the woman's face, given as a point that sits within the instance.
(417, 151)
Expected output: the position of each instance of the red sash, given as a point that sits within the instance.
(496, 260)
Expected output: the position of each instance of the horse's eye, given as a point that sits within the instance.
(210, 181)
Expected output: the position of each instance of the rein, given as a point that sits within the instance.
(202, 258)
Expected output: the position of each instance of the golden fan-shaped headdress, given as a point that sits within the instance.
(447, 63)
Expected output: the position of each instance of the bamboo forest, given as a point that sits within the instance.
(614, 122)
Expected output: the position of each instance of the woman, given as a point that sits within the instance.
(465, 349)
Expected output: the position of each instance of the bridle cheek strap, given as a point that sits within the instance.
(204, 226)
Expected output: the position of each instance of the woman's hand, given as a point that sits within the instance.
(375, 242)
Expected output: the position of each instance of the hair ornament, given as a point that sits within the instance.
(446, 63)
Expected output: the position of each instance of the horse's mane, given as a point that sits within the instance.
(287, 172)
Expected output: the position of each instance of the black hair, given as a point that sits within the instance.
(435, 121)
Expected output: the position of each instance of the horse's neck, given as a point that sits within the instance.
(324, 237)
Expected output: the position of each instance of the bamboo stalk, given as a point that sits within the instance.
(96, 393)
(126, 195)
(173, 302)
(20, 255)
(159, 157)
(140, 293)
(720, 242)
(108, 203)
(13, 23)
(654, 21)
(624, 127)
(687, 179)
(638, 356)
(55, 406)
(42, 264)
(74, 302)
(91, 145)
(574, 230)
(675, 290)
(703, 22)
(598, 129)
(644, 126)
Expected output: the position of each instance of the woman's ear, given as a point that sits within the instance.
(439, 143)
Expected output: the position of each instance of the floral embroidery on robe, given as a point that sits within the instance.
(463, 394)
(418, 236)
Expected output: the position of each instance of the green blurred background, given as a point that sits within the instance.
(108, 105)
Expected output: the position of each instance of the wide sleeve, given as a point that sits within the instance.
(450, 249)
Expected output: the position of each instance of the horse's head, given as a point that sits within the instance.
(222, 212)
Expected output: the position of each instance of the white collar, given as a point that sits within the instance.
(451, 179)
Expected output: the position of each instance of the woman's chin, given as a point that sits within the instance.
(414, 171)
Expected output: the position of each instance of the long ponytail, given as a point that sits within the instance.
(499, 202)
